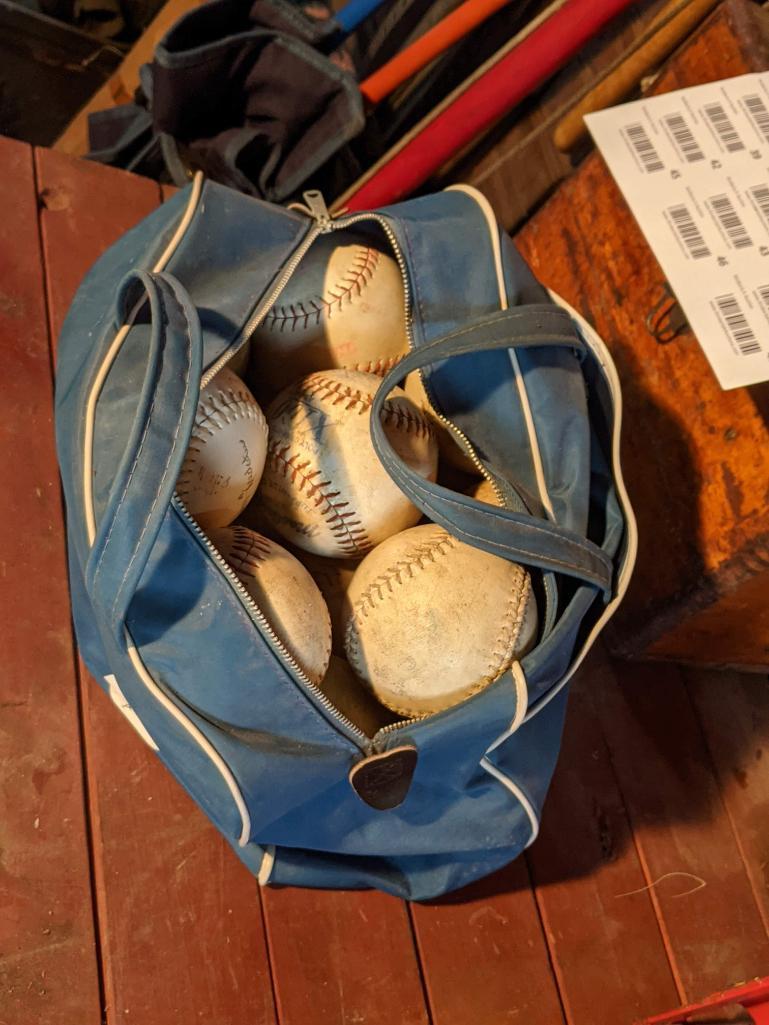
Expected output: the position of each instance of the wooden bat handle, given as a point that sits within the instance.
(616, 86)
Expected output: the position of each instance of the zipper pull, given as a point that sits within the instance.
(318, 209)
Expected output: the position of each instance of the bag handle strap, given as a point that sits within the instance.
(511, 535)
(145, 480)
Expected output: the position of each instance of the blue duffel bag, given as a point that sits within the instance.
(164, 629)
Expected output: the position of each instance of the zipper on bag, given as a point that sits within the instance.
(324, 223)
(264, 625)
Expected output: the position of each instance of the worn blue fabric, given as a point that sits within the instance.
(163, 630)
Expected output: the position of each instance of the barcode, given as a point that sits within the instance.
(688, 231)
(684, 139)
(735, 230)
(725, 130)
(737, 325)
(759, 112)
(760, 194)
(763, 294)
(644, 147)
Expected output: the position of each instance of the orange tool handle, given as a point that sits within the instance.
(451, 29)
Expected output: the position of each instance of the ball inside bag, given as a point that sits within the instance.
(284, 592)
(323, 486)
(226, 453)
(434, 620)
(343, 307)
(353, 699)
(333, 578)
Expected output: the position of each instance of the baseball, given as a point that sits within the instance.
(353, 699)
(433, 620)
(323, 486)
(448, 446)
(344, 307)
(285, 594)
(226, 453)
(333, 577)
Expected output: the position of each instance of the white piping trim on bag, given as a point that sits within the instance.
(200, 739)
(521, 705)
(599, 349)
(120, 702)
(90, 415)
(531, 430)
(109, 359)
(265, 869)
(514, 789)
(594, 341)
(521, 697)
(519, 677)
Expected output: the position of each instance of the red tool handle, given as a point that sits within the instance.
(537, 57)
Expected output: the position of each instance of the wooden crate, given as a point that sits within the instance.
(696, 458)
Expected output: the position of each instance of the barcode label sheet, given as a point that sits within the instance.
(693, 166)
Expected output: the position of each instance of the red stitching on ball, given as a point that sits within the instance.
(348, 531)
(249, 548)
(393, 412)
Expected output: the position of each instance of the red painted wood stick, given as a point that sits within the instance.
(529, 64)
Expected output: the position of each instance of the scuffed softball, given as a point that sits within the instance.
(343, 307)
(323, 486)
(284, 593)
(226, 452)
(433, 620)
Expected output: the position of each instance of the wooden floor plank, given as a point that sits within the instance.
(606, 947)
(46, 909)
(693, 865)
(342, 958)
(734, 711)
(180, 922)
(484, 956)
(85, 207)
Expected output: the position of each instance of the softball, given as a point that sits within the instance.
(323, 486)
(333, 578)
(226, 453)
(285, 594)
(344, 307)
(432, 620)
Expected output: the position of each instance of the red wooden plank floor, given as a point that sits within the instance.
(119, 903)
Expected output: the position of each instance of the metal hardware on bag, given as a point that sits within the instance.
(318, 209)
(382, 781)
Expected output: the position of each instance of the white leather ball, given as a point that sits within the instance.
(323, 486)
(432, 620)
(226, 453)
(285, 594)
(343, 307)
